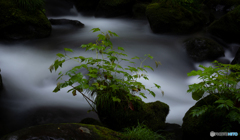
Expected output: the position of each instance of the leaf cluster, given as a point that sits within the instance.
(222, 79)
(103, 70)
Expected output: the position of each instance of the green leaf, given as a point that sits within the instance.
(67, 49)
(115, 99)
(95, 30)
(101, 37)
(112, 33)
(60, 55)
(157, 85)
(51, 68)
(135, 57)
(148, 67)
(199, 110)
(197, 94)
(143, 95)
(74, 93)
(120, 48)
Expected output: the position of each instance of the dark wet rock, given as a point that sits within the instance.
(18, 23)
(110, 8)
(139, 10)
(201, 49)
(172, 131)
(64, 131)
(75, 23)
(200, 127)
(1, 84)
(125, 114)
(163, 18)
(236, 59)
(58, 7)
(86, 5)
(227, 27)
(223, 5)
(91, 121)
(223, 60)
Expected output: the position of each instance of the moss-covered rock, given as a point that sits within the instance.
(201, 49)
(113, 8)
(128, 113)
(18, 23)
(67, 131)
(91, 121)
(200, 127)
(227, 27)
(164, 17)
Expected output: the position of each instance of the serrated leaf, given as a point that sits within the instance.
(67, 49)
(135, 57)
(143, 95)
(148, 67)
(157, 85)
(101, 37)
(60, 55)
(95, 30)
(120, 48)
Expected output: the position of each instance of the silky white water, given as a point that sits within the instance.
(29, 84)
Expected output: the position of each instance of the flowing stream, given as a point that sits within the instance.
(28, 98)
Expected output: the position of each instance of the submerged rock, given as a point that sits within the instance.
(65, 131)
(75, 23)
(201, 49)
(18, 23)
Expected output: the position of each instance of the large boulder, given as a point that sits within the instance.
(65, 131)
(128, 113)
(164, 18)
(113, 8)
(227, 27)
(200, 127)
(201, 49)
(19, 23)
